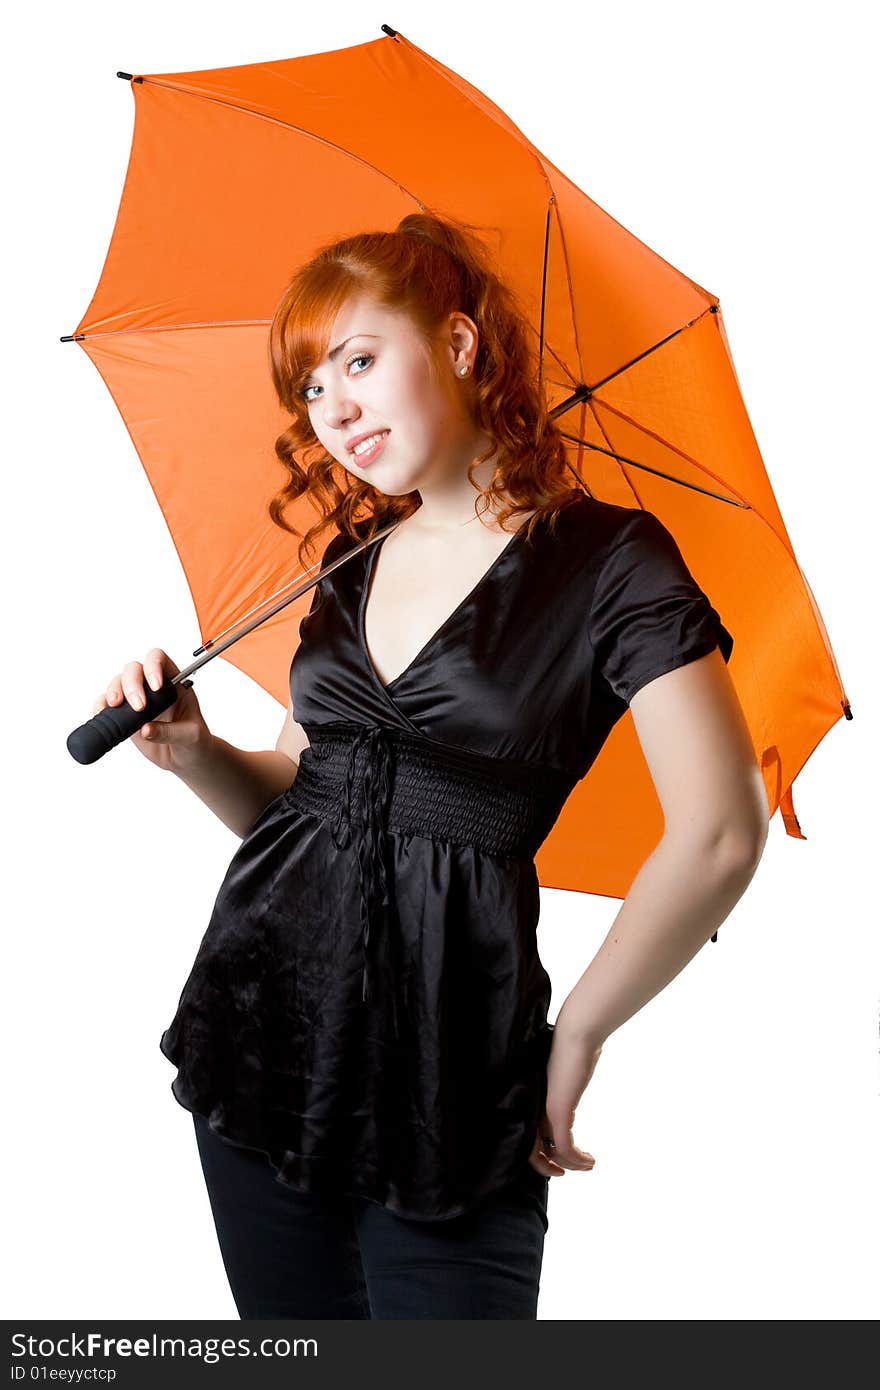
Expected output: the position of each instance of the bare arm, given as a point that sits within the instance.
(680, 895)
(237, 785)
(699, 752)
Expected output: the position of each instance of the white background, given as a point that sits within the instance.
(734, 1120)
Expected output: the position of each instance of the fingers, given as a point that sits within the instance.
(158, 665)
(546, 1159)
(570, 1068)
(131, 682)
(130, 685)
(542, 1158)
(558, 1138)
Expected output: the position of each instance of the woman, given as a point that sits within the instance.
(379, 1099)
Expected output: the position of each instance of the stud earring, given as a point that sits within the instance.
(463, 372)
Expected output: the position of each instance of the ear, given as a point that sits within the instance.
(463, 340)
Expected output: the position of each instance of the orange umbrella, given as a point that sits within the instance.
(236, 176)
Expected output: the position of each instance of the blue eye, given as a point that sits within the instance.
(359, 357)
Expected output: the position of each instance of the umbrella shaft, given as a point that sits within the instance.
(212, 648)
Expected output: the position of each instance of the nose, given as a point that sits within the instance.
(338, 407)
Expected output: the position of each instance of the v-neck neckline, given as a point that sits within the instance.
(444, 627)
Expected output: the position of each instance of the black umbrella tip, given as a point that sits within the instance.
(386, 29)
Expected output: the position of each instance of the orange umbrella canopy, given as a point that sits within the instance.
(237, 175)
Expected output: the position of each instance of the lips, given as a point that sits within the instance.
(364, 459)
(359, 439)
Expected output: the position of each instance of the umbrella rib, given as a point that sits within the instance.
(667, 444)
(548, 351)
(172, 327)
(570, 287)
(467, 91)
(287, 125)
(711, 309)
(585, 394)
(600, 425)
(544, 294)
(658, 472)
(555, 356)
(737, 501)
(580, 442)
(578, 396)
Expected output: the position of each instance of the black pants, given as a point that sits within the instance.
(289, 1254)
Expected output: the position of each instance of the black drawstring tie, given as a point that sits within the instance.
(371, 842)
(500, 806)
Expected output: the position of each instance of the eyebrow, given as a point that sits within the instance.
(336, 351)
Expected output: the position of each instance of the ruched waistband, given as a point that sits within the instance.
(368, 779)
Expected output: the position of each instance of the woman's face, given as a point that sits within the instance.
(380, 379)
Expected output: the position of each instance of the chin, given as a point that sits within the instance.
(387, 490)
(388, 481)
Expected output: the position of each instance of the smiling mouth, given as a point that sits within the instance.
(369, 450)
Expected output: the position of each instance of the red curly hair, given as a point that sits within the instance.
(428, 267)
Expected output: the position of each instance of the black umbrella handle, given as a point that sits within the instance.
(112, 726)
(109, 726)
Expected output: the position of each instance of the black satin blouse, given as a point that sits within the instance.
(368, 1006)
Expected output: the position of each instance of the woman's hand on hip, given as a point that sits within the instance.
(570, 1066)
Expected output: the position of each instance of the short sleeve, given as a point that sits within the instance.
(648, 615)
